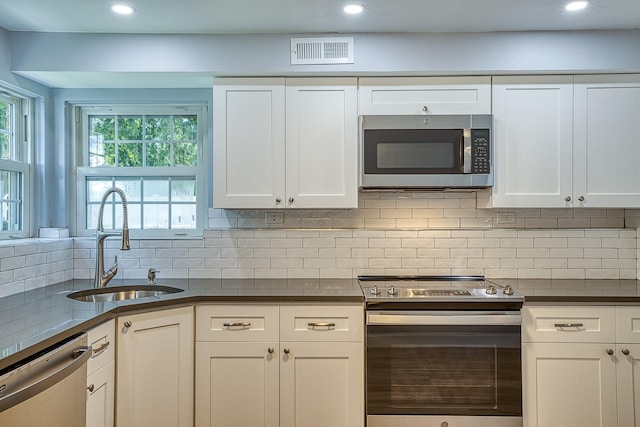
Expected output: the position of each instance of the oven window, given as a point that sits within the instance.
(448, 370)
(413, 151)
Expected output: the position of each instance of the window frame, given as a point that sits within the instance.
(82, 113)
(23, 131)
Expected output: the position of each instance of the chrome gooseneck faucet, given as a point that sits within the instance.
(102, 277)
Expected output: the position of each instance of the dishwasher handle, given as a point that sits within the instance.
(51, 368)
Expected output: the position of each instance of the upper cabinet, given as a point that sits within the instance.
(285, 143)
(565, 141)
(425, 95)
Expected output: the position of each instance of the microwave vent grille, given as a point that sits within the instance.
(322, 50)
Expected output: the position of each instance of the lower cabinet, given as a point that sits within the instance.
(101, 376)
(155, 369)
(581, 366)
(307, 370)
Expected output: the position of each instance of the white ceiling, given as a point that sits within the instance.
(314, 16)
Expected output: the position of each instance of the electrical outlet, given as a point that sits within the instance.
(505, 218)
(274, 218)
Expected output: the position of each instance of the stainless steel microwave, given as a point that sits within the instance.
(426, 152)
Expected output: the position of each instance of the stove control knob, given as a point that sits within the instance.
(508, 290)
(374, 290)
(491, 290)
(392, 291)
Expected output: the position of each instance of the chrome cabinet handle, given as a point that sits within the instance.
(91, 388)
(236, 324)
(609, 352)
(290, 199)
(100, 349)
(287, 351)
(270, 350)
(581, 198)
(568, 325)
(278, 200)
(127, 324)
(330, 325)
(626, 351)
(425, 109)
(567, 199)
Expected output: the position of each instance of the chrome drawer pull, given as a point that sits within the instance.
(569, 325)
(329, 325)
(100, 349)
(237, 324)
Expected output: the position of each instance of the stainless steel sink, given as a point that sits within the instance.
(121, 293)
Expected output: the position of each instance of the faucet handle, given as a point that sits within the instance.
(151, 276)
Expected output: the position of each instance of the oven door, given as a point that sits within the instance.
(463, 364)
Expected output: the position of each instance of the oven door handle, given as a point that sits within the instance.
(450, 318)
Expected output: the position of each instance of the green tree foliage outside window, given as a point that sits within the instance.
(143, 141)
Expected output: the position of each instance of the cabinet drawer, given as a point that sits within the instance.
(628, 325)
(102, 341)
(322, 323)
(568, 324)
(425, 95)
(236, 323)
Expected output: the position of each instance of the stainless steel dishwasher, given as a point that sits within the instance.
(47, 389)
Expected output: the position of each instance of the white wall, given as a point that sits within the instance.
(268, 54)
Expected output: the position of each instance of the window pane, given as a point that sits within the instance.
(158, 154)
(11, 196)
(156, 190)
(134, 212)
(130, 155)
(156, 216)
(186, 154)
(185, 128)
(4, 146)
(132, 188)
(104, 126)
(130, 128)
(157, 128)
(183, 190)
(96, 187)
(183, 216)
(5, 114)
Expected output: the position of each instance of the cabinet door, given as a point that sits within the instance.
(569, 385)
(321, 384)
(237, 384)
(628, 385)
(100, 396)
(425, 95)
(607, 144)
(248, 143)
(532, 136)
(322, 143)
(155, 369)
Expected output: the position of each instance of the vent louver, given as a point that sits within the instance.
(325, 50)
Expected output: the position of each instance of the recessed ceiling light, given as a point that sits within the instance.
(576, 5)
(122, 9)
(353, 9)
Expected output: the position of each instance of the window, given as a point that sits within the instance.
(15, 131)
(154, 155)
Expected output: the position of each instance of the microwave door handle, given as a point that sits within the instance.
(466, 153)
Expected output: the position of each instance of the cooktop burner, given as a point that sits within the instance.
(433, 290)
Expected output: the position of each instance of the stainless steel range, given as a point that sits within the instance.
(442, 351)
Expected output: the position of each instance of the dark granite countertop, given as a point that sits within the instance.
(33, 320)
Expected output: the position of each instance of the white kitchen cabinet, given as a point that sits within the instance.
(155, 371)
(566, 141)
(532, 139)
(101, 376)
(606, 140)
(580, 366)
(285, 143)
(306, 369)
(424, 95)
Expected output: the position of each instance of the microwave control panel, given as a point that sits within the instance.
(480, 153)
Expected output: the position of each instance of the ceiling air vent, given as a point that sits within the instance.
(324, 50)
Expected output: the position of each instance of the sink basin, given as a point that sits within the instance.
(121, 293)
